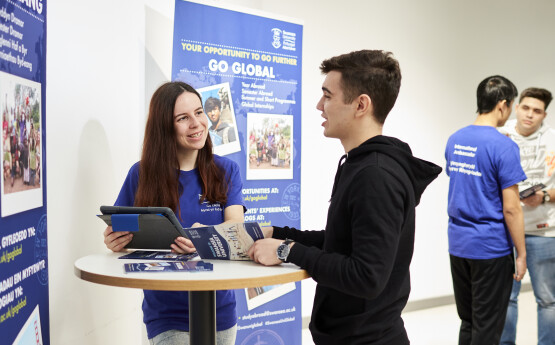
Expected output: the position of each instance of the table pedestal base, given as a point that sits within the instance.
(202, 317)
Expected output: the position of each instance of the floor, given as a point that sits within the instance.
(440, 325)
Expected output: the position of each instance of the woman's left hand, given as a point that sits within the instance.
(183, 245)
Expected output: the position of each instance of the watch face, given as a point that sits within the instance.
(283, 251)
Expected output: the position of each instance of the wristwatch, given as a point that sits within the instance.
(282, 251)
(546, 197)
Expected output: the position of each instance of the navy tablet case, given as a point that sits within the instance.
(158, 225)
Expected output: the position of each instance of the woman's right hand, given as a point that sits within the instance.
(116, 240)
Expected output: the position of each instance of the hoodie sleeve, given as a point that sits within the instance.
(363, 266)
(309, 238)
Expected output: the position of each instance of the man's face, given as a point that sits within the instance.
(338, 115)
(529, 115)
(214, 114)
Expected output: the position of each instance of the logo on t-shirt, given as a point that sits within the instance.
(207, 206)
(463, 167)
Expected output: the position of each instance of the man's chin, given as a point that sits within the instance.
(328, 134)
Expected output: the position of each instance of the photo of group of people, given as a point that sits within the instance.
(270, 143)
(20, 105)
(218, 107)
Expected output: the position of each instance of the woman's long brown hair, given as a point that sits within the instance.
(159, 166)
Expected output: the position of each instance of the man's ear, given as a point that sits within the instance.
(501, 104)
(364, 104)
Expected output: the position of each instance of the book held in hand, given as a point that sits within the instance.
(225, 241)
(173, 266)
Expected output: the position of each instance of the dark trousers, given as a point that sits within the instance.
(482, 289)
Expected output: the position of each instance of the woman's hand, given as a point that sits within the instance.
(116, 240)
(268, 231)
(182, 245)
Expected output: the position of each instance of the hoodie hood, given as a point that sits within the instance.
(510, 129)
(420, 172)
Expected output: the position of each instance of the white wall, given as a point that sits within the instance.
(104, 59)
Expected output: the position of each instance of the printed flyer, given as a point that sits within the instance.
(24, 307)
(247, 67)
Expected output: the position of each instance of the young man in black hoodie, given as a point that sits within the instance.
(361, 260)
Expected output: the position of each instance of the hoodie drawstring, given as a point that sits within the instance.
(338, 173)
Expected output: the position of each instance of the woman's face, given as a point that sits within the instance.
(190, 122)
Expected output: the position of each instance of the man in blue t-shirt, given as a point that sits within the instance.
(485, 215)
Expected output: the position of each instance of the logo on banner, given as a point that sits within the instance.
(284, 39)
(292, 197)
(263, 336)
(276, 42)
(41, 249)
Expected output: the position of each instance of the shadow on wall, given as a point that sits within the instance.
(158, 51)
(90, 313)
(95, 174)
(94, 168)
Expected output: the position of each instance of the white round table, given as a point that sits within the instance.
(107, 269)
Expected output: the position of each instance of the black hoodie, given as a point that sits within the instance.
(361, 260)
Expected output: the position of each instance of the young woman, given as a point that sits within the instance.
(178, 170)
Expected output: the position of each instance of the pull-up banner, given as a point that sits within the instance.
(23, 247)
(247, 68)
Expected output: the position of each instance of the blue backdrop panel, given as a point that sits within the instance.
(251, 64)
(23, 245)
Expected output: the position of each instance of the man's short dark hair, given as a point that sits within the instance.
(535, 92)
(212, 103)
(372, 72)
(492, 90)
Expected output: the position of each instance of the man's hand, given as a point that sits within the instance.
(265, 251)
(520, 268)
(533, 200)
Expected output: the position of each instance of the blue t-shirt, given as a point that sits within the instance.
(481, 162)
(166, 310)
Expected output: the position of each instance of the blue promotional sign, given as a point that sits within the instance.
(247, 68)
(24, 306)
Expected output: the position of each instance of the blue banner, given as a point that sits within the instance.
(24, 307)
(247, 69)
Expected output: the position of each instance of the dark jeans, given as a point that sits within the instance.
(482, 289)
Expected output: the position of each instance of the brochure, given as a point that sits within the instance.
(173, 266)
(158, 255)
(224, 241)
(531, 190)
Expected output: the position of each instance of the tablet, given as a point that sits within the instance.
(152, 227)
(531, 190)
